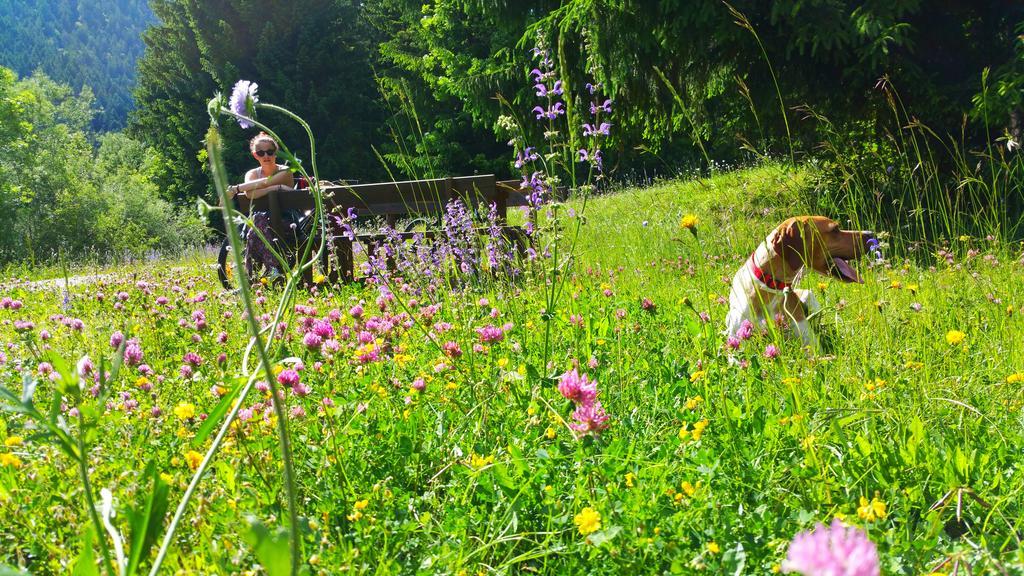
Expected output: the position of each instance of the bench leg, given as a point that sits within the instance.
(343, 268)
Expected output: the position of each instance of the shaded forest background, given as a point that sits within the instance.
(396, 88)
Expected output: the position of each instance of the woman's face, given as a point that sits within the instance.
(265, 152)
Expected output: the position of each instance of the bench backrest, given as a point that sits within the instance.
(392, 200)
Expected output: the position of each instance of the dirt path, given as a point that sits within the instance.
(81, 280)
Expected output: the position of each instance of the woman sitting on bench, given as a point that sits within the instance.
(268, 173)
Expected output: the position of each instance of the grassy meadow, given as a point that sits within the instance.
(431, 438)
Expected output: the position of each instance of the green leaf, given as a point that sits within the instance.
(85, 564)
(735, 559)
(864, 445)
(691, 324)
(13, 403)
(214, 417)
(28, 388)
(270, 547)
(147, 521)
(602, 536)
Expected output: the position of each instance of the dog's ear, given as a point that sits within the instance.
(788, 242)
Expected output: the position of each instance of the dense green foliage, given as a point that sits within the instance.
(693, 83)
(81, 43)
(313, 57)
(59, 194)
(683, 72)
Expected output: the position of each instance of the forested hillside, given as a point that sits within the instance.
(693, 82)
(92, 43)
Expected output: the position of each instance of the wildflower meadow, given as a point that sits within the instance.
(478, 430)
(554, 394)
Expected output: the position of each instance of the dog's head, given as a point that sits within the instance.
(821, 245)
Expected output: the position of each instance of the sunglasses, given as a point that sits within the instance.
(262, 153)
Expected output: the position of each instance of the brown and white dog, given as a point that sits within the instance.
(762, 289)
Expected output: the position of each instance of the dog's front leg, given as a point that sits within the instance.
(794, 307)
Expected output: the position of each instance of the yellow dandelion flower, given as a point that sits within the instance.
(550, 433)
(167, 478)
(913, 288)
(955, 337)
(362, 504)
(689, 488)
(713, 547)
(896, 285)
(502, 362)
(193, 459)
(1015, 378)
(588, 521)
(13, 441)
(10, 460)
(684, 432)
(790, 381)
(630, 477)
(185, 411)
(697, 375)
(689, 222)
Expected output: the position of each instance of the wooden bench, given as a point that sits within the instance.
(392, 201)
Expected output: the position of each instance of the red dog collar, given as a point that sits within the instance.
(765, 277)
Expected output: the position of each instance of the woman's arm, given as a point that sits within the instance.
(255, 183)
